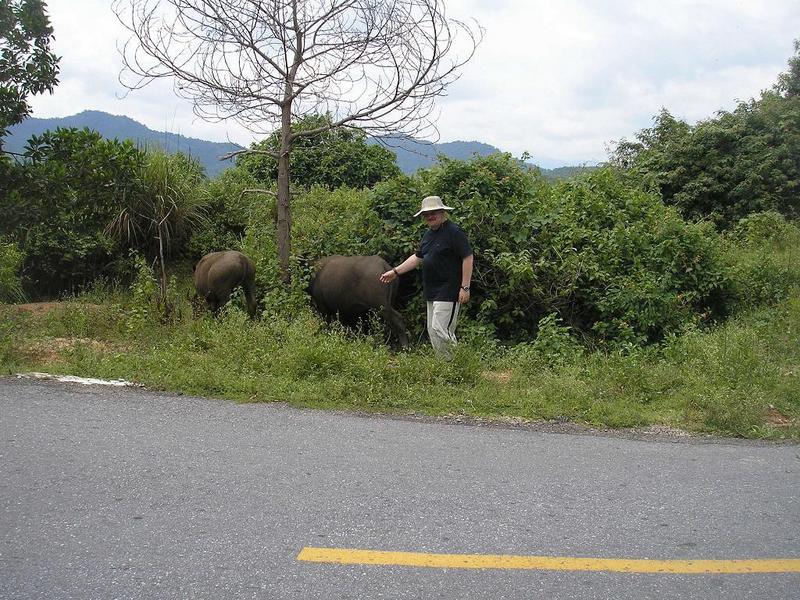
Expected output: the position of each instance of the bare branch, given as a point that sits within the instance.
(373, 64)
(243, 151)
(257, 191)
(378, 64)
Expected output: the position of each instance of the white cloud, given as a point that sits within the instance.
(558, 79)
(87, 37)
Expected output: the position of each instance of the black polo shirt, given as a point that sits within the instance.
(442, 252)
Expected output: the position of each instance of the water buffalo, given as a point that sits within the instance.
(218, 273)
(347, 287)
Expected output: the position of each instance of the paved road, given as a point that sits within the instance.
(123, 493)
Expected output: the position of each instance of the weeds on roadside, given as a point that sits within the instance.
(738, 379)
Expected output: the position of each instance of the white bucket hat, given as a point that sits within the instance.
(431, 203)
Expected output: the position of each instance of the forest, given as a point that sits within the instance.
(658, 290)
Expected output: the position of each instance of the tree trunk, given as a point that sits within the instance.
(284, 229)
(163, 283)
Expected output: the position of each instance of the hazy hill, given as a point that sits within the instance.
(414, 154)
(115, 126)
(411, 154)
(566, 172)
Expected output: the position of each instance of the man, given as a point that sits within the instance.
(446, 259)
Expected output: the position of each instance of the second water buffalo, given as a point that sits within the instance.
(348, 287)
(219, 273)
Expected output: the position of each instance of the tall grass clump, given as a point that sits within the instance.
(763, 258)
(159, 219)
(11, 259)
(733, 377)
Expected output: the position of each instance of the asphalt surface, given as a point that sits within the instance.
(125, 493)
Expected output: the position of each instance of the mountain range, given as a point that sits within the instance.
(411, 154)
(124, 128)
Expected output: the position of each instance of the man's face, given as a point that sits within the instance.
(434, 218)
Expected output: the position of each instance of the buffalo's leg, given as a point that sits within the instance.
(250, 296)
(211, 302)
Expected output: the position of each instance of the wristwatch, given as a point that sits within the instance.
(465, 288)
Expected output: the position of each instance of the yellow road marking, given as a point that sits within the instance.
(549, 563)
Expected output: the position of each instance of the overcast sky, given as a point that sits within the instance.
(560, 80)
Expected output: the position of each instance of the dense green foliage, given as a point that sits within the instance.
(58, 205)
(598, 254)
(730, 166)
(332, 158)
(609, 259)
(602, 256)
(10, 266)
(228, 203)
(762, 253)
(80, 202)
(324, 223)
(26, 64)
(613, 261)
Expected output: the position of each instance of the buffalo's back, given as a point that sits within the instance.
(350, 284)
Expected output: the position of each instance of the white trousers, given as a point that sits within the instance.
(442, 321)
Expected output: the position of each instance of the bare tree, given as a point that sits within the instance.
(375, 64)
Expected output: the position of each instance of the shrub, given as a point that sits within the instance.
(335, 222)
(60, 203)
(324, 223)
(228, 208)
(614, 261)
(762, 258)
(768, 227)
(10, 264)
(333, 158)
(601, 253)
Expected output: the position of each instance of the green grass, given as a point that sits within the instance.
(741, 379)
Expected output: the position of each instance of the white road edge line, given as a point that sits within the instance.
(81, 380)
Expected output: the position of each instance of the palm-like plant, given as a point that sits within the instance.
(164, 208)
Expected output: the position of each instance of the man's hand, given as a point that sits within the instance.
(389, 276)
(463, 296)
